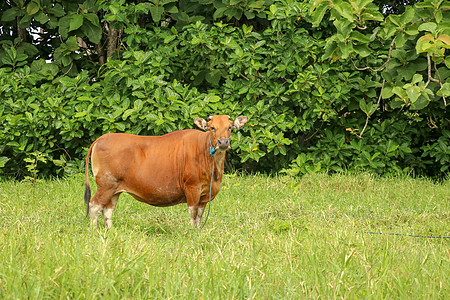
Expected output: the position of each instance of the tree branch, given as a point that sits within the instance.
(440, 82)
(430, 78)
(386, 64)
(383, 65)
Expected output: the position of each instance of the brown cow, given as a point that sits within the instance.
(159, 170)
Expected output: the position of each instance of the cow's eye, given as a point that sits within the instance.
(213, 129)
(229, 128)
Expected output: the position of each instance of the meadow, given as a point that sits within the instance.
(266, 238)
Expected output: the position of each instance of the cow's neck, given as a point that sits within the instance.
(219, 162)
(219, 159)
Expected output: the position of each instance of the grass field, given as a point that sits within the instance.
(266, 238)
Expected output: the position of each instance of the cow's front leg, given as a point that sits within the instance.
(193, 201)
(201, 209)
(193, 213)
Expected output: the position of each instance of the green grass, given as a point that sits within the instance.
(266, 238)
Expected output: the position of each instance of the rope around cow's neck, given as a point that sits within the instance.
(212, 151)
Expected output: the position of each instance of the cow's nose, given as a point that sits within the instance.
(223, 143)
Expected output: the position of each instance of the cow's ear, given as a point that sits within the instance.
(239, 122)
(201, 123)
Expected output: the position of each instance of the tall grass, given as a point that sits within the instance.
(266, 237)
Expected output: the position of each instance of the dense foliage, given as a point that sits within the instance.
(328, 86)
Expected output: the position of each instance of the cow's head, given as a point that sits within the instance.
(220, 129)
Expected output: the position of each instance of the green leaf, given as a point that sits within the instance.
(318, 11)
(57, 10)
(273, 9)
(127, 113)
(407, 16)
(420, 103)
(25, 21)
(344, 9)
(211, 98)
(93, 18)
(67, 81)
(239, 52)
(430, 26)
(358, 36)
(3, 161)
(33, 8)
(80, 114)
(138, 105)
(213, 77)
(367, 108)
(156, 12)
(41, 18)
(76, 21)
(363, 106)
(10, 14)
(196, 41)
(63, 25)
(413, 92)
(72, 43)
(445, 90)
(120, 126)
(391, 146)
(93, 32)
(387, 92)
(417, 78)
(169, 38)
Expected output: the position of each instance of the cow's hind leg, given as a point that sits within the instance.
(108, 210)
(99, 202)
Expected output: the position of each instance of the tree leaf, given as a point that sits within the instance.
(387, 92)
(430, 26)
(344, 9)
(362, 50)
(93, 18)
(318, 11)
(76, 22)
(93, 32)
(41, 18)
(3, 161)
(417, 78)
(420, 103)
(10, 14)
(408, 15)
(63, 25)
(33, 8)
(358, 36)
(156, 12)
(445, 90)
(57, 10)
(447, 62)
(444, 38)
(427, 38)
(413, 92)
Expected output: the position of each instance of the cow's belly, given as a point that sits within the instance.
(157, 191)
(157, 198)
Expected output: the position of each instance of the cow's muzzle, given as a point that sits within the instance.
(223, 144)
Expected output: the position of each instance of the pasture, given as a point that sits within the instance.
(266, 238)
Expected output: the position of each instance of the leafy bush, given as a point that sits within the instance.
(314, 90)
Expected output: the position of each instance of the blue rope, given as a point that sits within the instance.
(411, 235)
(212, 151)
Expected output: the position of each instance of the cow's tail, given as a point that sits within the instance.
(87, 190)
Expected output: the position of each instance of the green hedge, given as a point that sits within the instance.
(309, 110)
